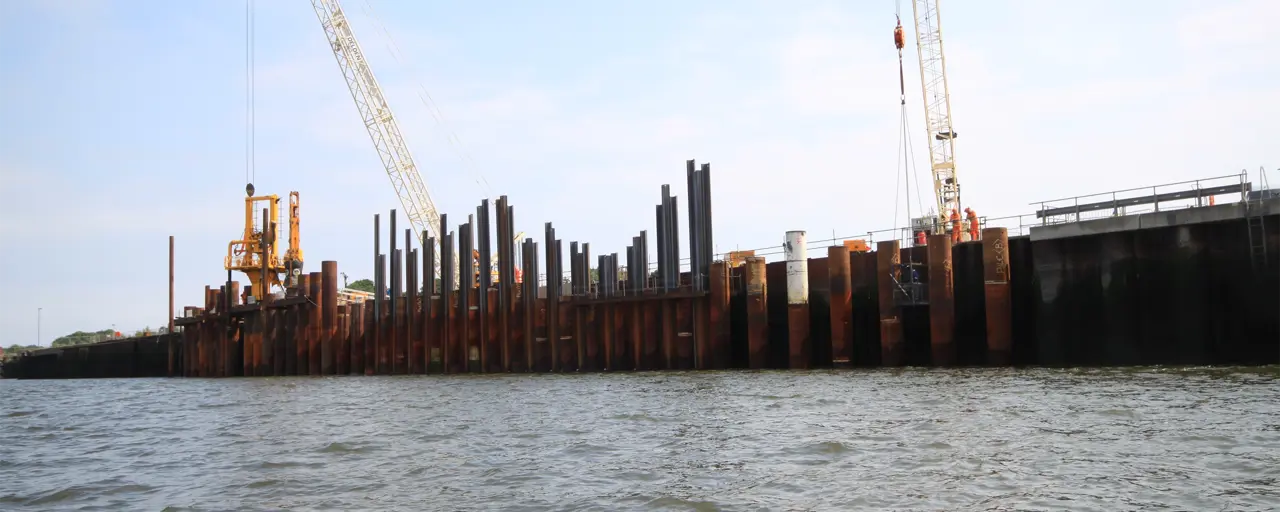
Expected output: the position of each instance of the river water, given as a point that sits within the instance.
(981, 439)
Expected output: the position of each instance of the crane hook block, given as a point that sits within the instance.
(248, 189)
(898, 38)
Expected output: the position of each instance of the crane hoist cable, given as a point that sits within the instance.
(249, 110)
(905, 276)
(906, 153)
(451, 136)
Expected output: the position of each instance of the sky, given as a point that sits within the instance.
(123, 123)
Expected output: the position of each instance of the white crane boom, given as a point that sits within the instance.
(379, 122)
(937, 107)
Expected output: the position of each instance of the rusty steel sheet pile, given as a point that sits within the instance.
(525, 306)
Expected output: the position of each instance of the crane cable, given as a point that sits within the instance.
(906, 153)
(250, 171)
(425, 97)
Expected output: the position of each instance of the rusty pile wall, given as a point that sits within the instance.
(1185, 294)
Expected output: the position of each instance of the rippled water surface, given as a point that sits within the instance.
(871, 440)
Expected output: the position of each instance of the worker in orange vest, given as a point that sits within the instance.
(920, 238)
(955, 227)
(973, 223)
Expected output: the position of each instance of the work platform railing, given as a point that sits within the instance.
(1169, 196)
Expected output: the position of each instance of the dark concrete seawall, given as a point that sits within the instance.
(146, 356)
(1183, 287)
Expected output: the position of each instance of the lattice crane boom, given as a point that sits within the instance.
(383, 130)
(937, 107)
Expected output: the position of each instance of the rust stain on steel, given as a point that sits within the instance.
(368, 339)
(428, 326)
(472, 330)
(464, 334)
(281, 321)
(203, 342)
(719, 317)
(413, 317)
(624, 345)
(435, 343)
(942, 314)
(999, 304)
(604, 321)
(289, 349)
(539, 357)
(188, 341)
(757, 314)
(172, 355)
(588, 338)
(451, 350)
(340, 345)
(265, 342)
(528, 303)
(491, 330)
(891, 341)
(567, 343)
(518, 346)
(400, 364)
(400, 324)
(382, 336)
(798, 345)
(888, 257)
(355, 354)
(683, 340)
(702, 329)
(302, 348)
(253, 329)
(278, 332)
(667, 316)
(647, 334)
(329, 305)
(316, 337)
(231, 361)
(841, 304)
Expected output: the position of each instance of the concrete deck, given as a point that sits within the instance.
(1151, 220)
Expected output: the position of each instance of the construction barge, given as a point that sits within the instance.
(1191, 286)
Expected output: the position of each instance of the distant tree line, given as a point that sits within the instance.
(12, 351)
(81, 337)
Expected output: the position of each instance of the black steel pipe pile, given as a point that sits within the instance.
(586, 269)
(575, 270)
(632, 267)
(377, 258)
(428, 269)
(644, 260)
(391, 305)
(700, 246)
(466, 270)
(668, 240)
(486, 256)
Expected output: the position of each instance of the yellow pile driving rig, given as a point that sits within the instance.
(257, 253)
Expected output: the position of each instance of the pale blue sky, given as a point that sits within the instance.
(123, 122)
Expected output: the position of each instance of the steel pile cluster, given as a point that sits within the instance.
(619, 321)
(839, 310)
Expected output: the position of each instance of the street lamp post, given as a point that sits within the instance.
(38, 315)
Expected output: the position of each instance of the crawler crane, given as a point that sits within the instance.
(941, 135)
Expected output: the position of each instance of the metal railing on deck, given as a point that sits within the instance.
(1169, 196)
